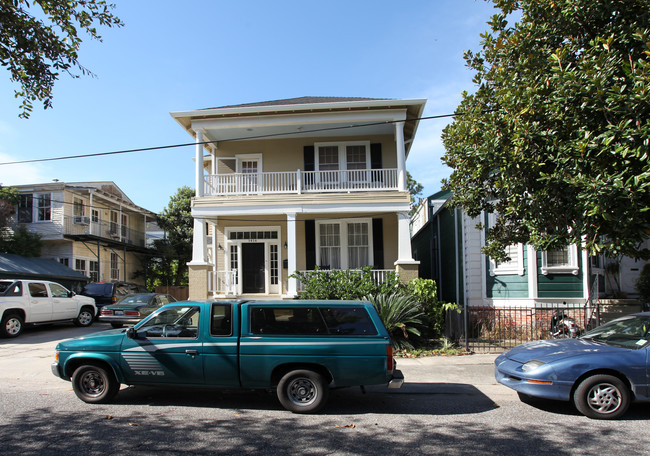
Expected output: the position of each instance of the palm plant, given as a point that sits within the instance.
(401, 316)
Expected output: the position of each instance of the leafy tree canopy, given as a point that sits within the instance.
(36, 44)
(556, 137)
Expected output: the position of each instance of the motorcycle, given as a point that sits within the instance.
(563, 326)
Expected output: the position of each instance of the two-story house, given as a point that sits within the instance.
(289, 185)
(91, 227)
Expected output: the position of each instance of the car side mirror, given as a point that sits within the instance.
(131, 333)
(71, 294)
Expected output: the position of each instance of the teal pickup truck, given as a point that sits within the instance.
(299, 348)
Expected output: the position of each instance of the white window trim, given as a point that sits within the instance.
(343, 164)
(343, 233)
(571, 268)
(35, 208)
(511, 267)
(249, 157)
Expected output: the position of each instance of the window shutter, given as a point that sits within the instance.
(378, 242)
(310, 244)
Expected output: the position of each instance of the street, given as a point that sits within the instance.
(448, 405)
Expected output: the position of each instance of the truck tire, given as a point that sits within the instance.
(94, 384)
(85, 317)
(11, 325)
(303, 391)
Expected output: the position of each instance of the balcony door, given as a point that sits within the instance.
(249, 168)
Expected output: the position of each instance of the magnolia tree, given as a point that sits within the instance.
(555, 138)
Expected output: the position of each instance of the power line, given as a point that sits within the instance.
(270, 135)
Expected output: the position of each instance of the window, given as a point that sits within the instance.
(125, 225)
(112, 227)
(513, 266)
(95, 215)
(37, 290)
(58, 291)
(561, 261)
(348, 320)
(181, 322)
(221, 321)
(275, 263)
(78, 207)
(25, 209)
(286, 320)
(342, 156)
(94, 271)
(115, 269)
(43, 207)
(64, 261)
(80, 266)
(344, 244)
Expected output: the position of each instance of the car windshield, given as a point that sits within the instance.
(98, 289)
(627, 332)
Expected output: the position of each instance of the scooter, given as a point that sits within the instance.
(563, 326)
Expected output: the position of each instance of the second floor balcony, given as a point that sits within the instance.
(83, 226)
(298, 182)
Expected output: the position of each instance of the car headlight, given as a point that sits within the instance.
(532, 365)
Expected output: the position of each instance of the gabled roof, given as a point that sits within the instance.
(16, 266)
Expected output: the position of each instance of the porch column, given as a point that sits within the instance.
(405, 266)
(292, 284)
(199, 266)
(199, 165)
(401, 156)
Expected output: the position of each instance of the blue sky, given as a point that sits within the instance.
(176, 56)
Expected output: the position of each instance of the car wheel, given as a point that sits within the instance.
(85, 317)
(94, 384)
(602, 397)
(11, 325)
(117, 325)
(303, 391)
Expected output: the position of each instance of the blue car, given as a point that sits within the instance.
(601, 372)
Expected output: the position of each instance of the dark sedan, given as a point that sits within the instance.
(601, 372)
(134, 308)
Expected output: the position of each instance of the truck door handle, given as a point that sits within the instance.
(192, 352)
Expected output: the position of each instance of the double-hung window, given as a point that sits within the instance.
(560, 261)
(43, 207)
(515, 265)
(344, 244)
(342, 164)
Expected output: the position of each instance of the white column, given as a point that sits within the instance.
(199, 247)
(401, 156)
(404, 255)
(292, 284)
(531, 269)
(199, 165)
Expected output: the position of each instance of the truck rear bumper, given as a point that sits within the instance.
(397, 381)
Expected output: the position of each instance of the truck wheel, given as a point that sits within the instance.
(11, 325)
(602, 397)
(94, 384)
(85, 317)
(303, 391)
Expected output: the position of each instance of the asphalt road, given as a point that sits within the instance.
(448, 406)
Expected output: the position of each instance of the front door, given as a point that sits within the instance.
(253, 272)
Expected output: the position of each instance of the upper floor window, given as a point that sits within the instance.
(78, 207)
(35, 207)
(560, 261)
(342, 156)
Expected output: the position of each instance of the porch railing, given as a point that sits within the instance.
(298, 182)
(378, 275)
(77, 225)
(222, 282)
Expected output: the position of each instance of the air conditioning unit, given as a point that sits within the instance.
(81, 220)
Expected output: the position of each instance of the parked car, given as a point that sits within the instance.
(36, 302)
(107, 293)
(133, 308)
(601, 372)
(299, 348)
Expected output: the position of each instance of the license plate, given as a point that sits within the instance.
(119, 312)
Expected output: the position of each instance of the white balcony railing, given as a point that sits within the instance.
(359, 180)
(378, 275)
(222, 282)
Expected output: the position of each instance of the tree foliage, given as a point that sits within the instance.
(37, 44)
(168, 262)
(556, 137)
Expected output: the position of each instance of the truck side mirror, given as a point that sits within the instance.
(131, 333)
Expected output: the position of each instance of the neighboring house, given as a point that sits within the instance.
(92, 227)
(448, 245)
(20, 267)
(289, 185)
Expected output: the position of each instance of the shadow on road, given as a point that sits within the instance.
(53, 332)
